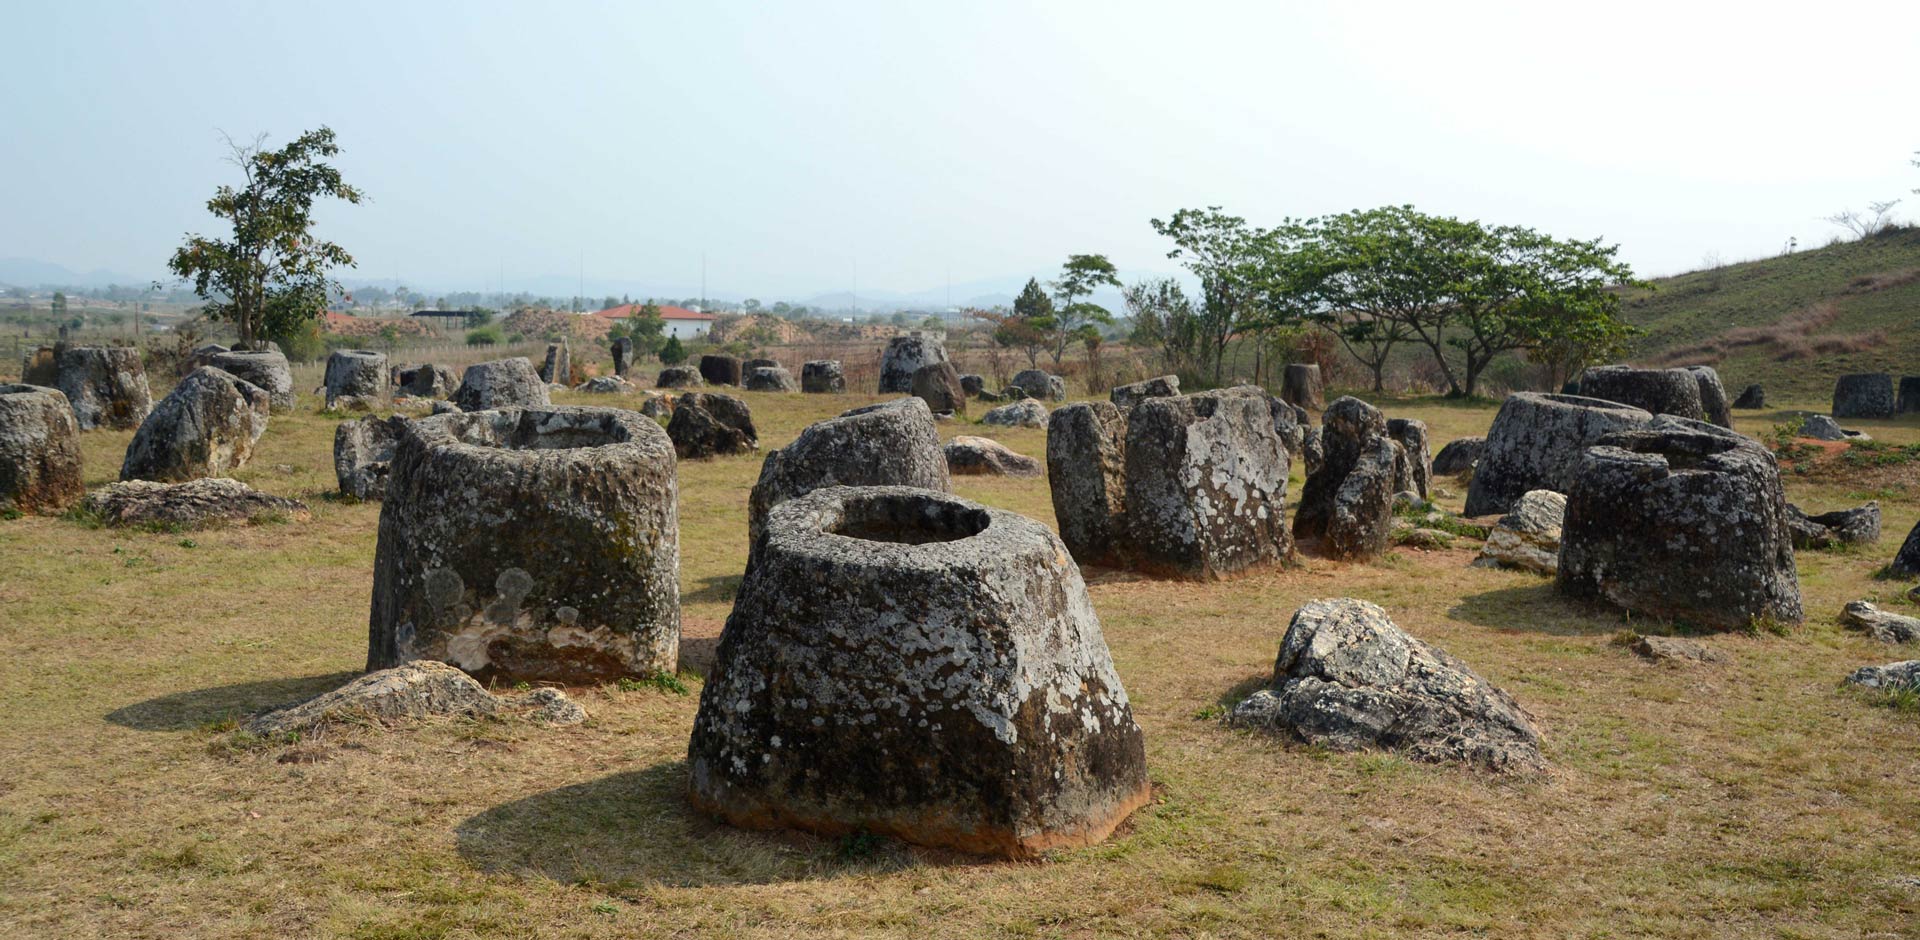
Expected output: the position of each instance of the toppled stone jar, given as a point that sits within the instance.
(917, 665)
(530, 543)
(1682, 520)
(1534, 443)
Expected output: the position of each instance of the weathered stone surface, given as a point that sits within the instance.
(981, 456)
(895, 444)
(709, 424)
(942, 657)
(1125, 397)
(1348, 678)
(1657, 391)
(904, 356)
(1681, 520)
(106, 385)
(1909, 397)
(938, 384)
(356, 373)
(770, 379)
(40, 469)
(749, 365)
(1822, 428)
(1666, 649)
(442, 408)
(363, 455)
(1413, 467)
(823, 377)
(1528, 536)
(1206, 485)
(1713, 396)
(656, 405)
(192, 504)
(1864, 395)
(1458, 456)
(679, 377)
(974, 384)
(428, 381)
(1857, 526)
(719, 370)
(1025, 413)
(1751, 397)
(606, 385)
(264, 368)
(1038, 384)
(502, 383)
(1353, 518)
(622, 350)
(1906, 563)
(409, 692)
(1300, 385)
(1313, 452)
(1534, 443)
(1882, 625)
(530, 544)
(1086, 473)
(41, 366)
(1892, 676)
(205, 427)
(557, 367)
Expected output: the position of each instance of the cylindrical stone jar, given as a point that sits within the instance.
(1534, 442)
(359, 373)
(107, 386)
(39, 450)
(910, 663)
(265, 368)
(535, 544)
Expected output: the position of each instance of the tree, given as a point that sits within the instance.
(479, 317)
(1013, 331)
(58, 307)
(1072, 320)
(1164, 319)
(483, 336)
(782, 309)
(672, 353)
(272, 275)
(1220, 250)
(1033, 302)
(1878, 218)
(1532, 291)
(1371, 278)
(646, 328)
(750, 305)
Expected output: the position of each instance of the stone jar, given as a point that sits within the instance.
(501, 383)
(40, 469)
(894, 444)
(822, 377)
(1534, 442)
(264, 368)
(205, 427)
(107, 386)
(357, 373)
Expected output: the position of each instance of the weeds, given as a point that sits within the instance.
(659, 682)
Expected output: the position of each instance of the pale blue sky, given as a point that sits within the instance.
(793, 142)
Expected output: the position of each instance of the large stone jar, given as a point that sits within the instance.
(904, 356)
(893, 444)
(1864, 395)
(1534, 443)
(913, 664)
(537, 544)
(107, 386)
(39, 450)
(501, 383)
(205, 427)
(264, 368)
(359, 374)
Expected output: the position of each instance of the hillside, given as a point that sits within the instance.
(1792, 323)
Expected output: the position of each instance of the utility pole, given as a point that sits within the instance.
(703, 282)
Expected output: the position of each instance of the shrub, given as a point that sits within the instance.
(673, 353)
(484, 336)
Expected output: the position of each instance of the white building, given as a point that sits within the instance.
(681, 322)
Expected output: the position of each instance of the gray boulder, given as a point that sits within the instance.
(536, 544)
(264, 368)
(1681, 520)
(747, 367)
(1458, 456)
(502, 383)
(106, 385)
(363, 455)
(1313, 451)
(709, 424)
(1675, 651)
(193, 504)
(1528, 536)
(1125, 397)
(656, 405)
(974, 384)
(943, 655)
(428, 381)
(1206, 486)
(360, 374)
(1354, 522)
(1037, 384)
(1086, 475)
(1881, 625)
(1534, 443)
(1714, 406)
(605, 385)
(980, 456)
(1349, 679)
(770, 379)
(938, 384)
(894, 444)
(410, 692)
(1906, 562)
(1025, 413)
(906, 355)
(1909, 397)
(719, 370)
(557, 369)
(1751, 397)
(1864, 395)
(1656, 391)
(205, 427)
(41, 366)
(823, 377)
(1300, 385)
(1413, 466)
(679, 377)
(40, 469)
(1822, 428)
(622, 350)
(1890, 677)
(1857, 526)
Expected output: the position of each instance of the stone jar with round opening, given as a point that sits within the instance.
(907, 662)
(530, 543)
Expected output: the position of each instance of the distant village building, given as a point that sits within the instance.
(681, 322)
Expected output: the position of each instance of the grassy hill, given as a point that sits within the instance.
(1792, 323)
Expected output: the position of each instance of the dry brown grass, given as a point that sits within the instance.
(1792, 337)
(1753, 799)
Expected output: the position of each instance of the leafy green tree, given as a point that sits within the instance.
(1533, 292)
(1368, 281)
(484, 336)
(672, 353)
(1033, 302)
(479, 317)
(1072, 319)
(1163, 318)
(782, 309)
(272, 275)
(750, 305)
(1223, 252)
(58, 307)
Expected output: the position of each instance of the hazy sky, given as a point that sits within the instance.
(796, 143)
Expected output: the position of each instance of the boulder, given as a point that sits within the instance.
(974, 384)
(40, 470)
(356, 373)
(1822, 428)
(1037, 384)
(409, 692)
(904, 356)
(1681, 520)
(679, 377)
(502, 383)
(442, 408)
(622, 350)
(822, 377)
(106, 385)
(1355, 521)
(719, 370)
(264, 368)
(1206, 486)
(1125, 397)
(1413, 466)
(1025, 413)
(1857, 526)
(363, 455)
(1656, 391)
(193, 504)
(1459, 456)
(1890, 677)
(1349, 679)
(1906, 562)
(41, 366)
(1864, 395)
(981, 456)
(709, 424)
(1300, 385)
(894, 444)
(605, 385)
(656, 405)
(1313, 452)
(1908, 401)
(749, 365)
(535, 544)
(1528, 536)
(938, 384)
(557, 368)
(428, 381)
(1534, 443)
(205, 427)
(1714, 406)
(1666, 649)
(943, 655)
(1881, 625)
(200, 356)
(1751, 397)
(770, 379)
(1086, 474)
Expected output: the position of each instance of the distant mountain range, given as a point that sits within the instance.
(27, 272)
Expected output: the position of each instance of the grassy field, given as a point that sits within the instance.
(1751, 799)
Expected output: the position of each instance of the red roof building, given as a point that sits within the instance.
(680, 322)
